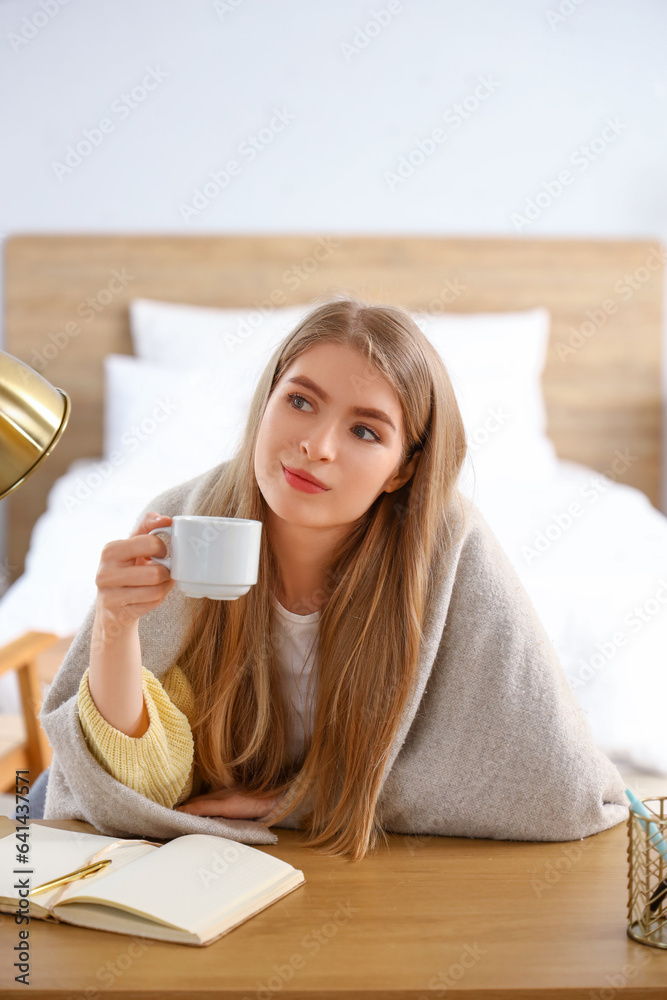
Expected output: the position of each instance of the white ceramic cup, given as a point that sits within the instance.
(216, 557)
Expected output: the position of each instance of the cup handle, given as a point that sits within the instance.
(167, 561)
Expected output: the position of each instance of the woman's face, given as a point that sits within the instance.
(355, 456)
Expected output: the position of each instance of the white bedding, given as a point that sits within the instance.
(596, 572)
(599, 585)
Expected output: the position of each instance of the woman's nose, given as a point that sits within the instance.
(321, 441)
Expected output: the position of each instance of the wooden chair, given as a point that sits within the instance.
(32, 750)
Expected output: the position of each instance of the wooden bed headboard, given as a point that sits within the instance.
(66, 307)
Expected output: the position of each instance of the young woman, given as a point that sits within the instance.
(300, 687)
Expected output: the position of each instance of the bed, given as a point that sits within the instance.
(554, 348)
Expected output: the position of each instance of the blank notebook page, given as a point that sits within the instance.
(53, 853)
(190, 880)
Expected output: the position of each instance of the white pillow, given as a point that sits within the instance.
(236, 342)
(179, 421)
(495, 361)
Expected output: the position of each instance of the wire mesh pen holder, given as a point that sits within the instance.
(647, 875)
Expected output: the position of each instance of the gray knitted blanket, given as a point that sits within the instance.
(494, 745)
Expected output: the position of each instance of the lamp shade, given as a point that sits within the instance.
(33, 416)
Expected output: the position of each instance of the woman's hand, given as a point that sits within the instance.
(128, 582)
(231, 805)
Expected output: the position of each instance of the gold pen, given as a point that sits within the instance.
(79, 873)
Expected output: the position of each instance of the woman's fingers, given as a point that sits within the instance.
(233, 807)
(128, 582)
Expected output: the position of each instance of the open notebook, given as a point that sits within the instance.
(191, 890)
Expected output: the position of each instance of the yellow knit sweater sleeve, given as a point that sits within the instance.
(158, 764)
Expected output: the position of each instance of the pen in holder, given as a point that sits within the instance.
(647, 871)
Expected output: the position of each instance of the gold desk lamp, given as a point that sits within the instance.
(33, 416)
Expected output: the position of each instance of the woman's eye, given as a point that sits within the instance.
(293, 396)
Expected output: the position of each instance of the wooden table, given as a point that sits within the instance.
(430, 917)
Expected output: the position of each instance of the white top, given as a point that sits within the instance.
(295, 639)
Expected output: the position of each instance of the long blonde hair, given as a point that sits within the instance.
(376, 597)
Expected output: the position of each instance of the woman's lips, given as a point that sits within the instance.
(302, 484)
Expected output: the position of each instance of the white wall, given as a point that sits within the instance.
(353, 102)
